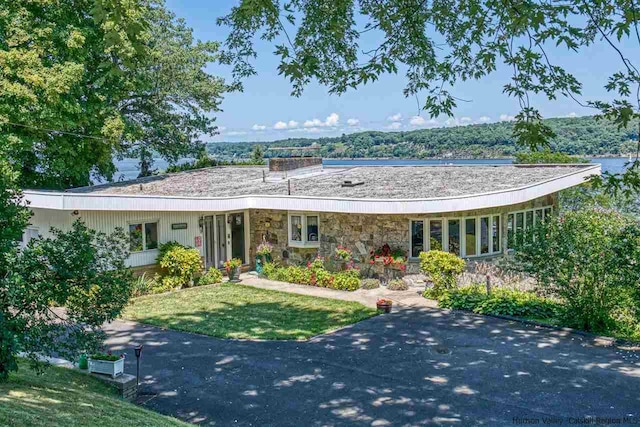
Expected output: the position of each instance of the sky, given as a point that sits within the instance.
(266, 111)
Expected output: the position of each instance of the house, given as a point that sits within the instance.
(303, 208)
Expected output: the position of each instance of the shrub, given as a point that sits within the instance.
(442, 268)
(397, 285)
(164, 284)
(142, 285)
(500, 302)
(586, 258)
(179, 262)
(211, 277)
(370, 284)
(346, 280)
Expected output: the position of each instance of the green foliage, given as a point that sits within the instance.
(547, 156)
(585, 258)
(501, 301)
(211, 277)
(105, 356)
(257, 156)
(585, 195)
(142, 285)
(81, 270)
(84, 81)
(314, 274)
(179, 263)
(348, 280)
(370, 284)
(441, 44)
(442, 268)
(397, 285)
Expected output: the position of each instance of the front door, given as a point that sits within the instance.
(237, 236)
(221, 231)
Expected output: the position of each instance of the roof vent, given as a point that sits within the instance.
(351, 183)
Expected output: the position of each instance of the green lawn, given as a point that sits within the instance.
(238, 311)
(66, 398)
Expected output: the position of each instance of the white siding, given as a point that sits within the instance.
(108, 221)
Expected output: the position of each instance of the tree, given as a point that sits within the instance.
(173, 96)
(61, 73)
(80, 270)
(589, 259)
(86, 80)
(257, 156)
(438, 43)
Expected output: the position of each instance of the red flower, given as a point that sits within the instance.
(372, 262)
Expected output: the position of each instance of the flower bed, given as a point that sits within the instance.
(314, 274)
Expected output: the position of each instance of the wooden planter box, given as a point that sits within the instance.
(107, 367)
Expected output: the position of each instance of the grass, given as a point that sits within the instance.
(66, 398)
(244, 312)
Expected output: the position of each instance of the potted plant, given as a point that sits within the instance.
(106, 363)
(384, 305)
(263, 255)
(390, 262)
(345, 257)
(232, 268)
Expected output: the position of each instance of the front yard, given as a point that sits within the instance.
(244, 312)
(65, 398)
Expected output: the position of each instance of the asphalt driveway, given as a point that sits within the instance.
(414, 367)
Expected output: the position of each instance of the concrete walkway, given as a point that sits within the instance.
(411, 298)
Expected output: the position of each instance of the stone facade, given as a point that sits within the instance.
(359, 232)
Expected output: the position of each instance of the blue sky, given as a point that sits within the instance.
(265, 110)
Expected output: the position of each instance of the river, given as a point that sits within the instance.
(128, 168)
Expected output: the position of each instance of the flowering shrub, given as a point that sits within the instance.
(395, 258)
(314, 274)
(343, 253)
(179, 262)
(442, 268)
(211, 277)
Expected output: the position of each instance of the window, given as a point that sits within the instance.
(304, 230)
(470, 236)
(143, 241)
(29, 234)
(454, 236)
(417, 238)
(435, 235)
(484, 235)
(495, 234)
(519, 222)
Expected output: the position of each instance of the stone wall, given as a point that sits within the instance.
(359, 232)
(281, 164)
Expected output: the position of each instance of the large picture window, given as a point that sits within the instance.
(143, 236)
(519, 222)
(304, 230)
(466, 236)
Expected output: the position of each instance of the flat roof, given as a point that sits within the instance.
(378, 182)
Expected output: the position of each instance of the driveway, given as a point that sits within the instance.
(414, 367)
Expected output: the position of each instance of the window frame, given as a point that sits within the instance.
(444, 223)
(536, 218)
(143, 224)
(303, 243)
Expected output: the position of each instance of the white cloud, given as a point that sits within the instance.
(353, 122)
(280, 125)
(506, 118)
(394, 125)
(332, 119)
(484, 119)
(258, 127)
(417, 121)
(465, 120)
(572, 115)
(292, 124)
(222, 128)
(395, 118)
(236, 133)
(312, 123)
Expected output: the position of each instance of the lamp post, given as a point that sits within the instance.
(138, 351)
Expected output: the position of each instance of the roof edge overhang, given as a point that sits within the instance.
(112, 202)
